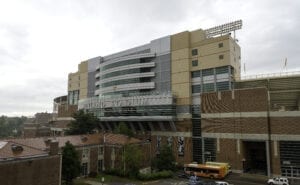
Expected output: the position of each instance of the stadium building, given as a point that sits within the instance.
(168, 91)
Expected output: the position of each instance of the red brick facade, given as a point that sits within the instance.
(243, 115)
(35, 171)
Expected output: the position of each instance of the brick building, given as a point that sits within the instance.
(62, 115)
(38, 126)
(97, 152)
(22, 164)
(255, 127)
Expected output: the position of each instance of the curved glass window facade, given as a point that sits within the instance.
(124, 63)
(126, 81)
(125, 72)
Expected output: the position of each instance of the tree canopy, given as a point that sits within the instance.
(84, 123)
(165, 159)
(133, 159)
(70, 163)
(123, 129)
(11, 126)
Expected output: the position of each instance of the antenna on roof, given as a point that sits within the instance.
(224, 29)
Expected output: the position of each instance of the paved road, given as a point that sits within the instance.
(235, 179)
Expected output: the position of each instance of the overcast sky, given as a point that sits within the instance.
(41, 41)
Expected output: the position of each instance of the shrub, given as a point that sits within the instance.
(117, 172)
(93, 174)
(156, 175)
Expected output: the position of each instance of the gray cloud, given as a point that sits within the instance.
(34, 96)
(75, 30)
(14, 43)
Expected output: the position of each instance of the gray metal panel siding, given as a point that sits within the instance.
(162, 71)
(91, 84)
(93, 63)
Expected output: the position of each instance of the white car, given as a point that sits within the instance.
(221, 183)
(278, 181)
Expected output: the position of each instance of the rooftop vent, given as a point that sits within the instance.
(16, 148)
(47, 141)
(84, 138)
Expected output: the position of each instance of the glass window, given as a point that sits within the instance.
(221, 45)
(84, 169)
(194, 52)
(100, 150)
(100, 165)
(208, 87)
(221, 57)
(126, 81)
(195, 74)
(208, 72)
(221, 86)
(221, 70)
(196, 88)
(195, 63)
(127, 71)
(85, 153)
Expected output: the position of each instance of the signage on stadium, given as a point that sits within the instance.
(98, 103)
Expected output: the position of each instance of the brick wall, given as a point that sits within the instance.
(38, 171)
(93, 159)
(245, 100)
(235, 125)
(228, 153)
(66, 110)
(285, 125)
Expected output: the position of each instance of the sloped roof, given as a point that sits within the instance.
(11, 150)
(79, 140)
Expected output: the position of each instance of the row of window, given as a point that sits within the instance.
(154, 110)
(126, 81)
(195, 62)
(73, 97)
(211, 71)
(86, 152)
(209, 87)
(124, 63)
(195, 51)
(125, 72)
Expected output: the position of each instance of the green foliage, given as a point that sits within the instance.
(84, 123)
(11, 126)
(156, 175)
(123, 129)
(165, 160)
(70, 163)
(114, 171)
(133, 159)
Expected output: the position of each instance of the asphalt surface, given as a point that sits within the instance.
(232, 179)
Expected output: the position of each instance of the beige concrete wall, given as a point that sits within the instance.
(180, 67)
(209, 51)
(235, 58)
(79, 80)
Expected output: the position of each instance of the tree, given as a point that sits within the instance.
(70, 163)
(132, 160)
(165, 160)
(123, 129)
(11, 126)
(84, 123)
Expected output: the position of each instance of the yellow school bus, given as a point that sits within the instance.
(203, 170)
(226, 165)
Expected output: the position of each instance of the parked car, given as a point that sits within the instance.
(221, 183)
(278, 181)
